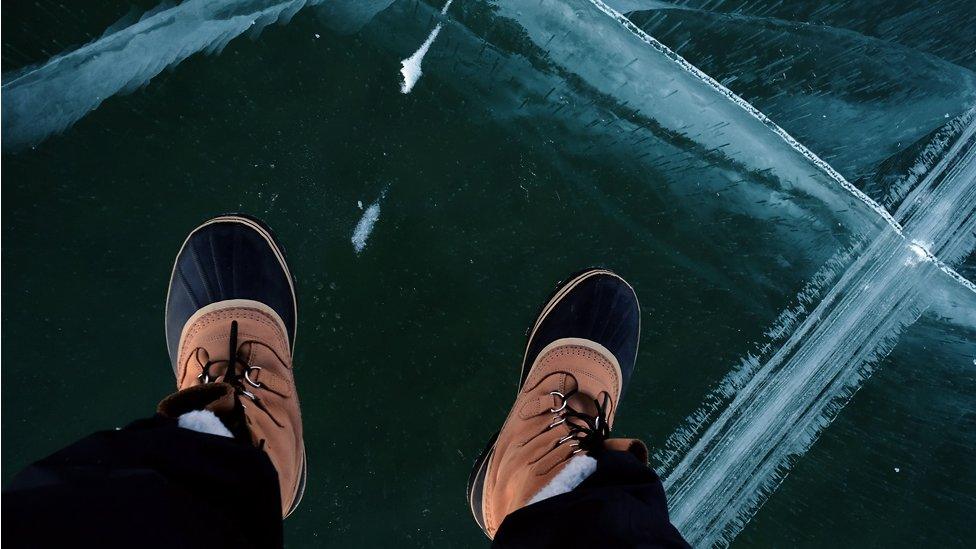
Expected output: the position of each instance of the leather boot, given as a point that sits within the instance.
(579, 357)
(232, 296)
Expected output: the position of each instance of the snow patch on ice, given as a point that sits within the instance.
(410, 67)
(366, 223)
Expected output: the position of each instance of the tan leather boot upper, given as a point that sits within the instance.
(262, 386)
(537, 439)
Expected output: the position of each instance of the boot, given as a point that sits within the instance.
(579, 358)
(230, 326)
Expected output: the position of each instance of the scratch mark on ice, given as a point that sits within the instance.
(410, 67)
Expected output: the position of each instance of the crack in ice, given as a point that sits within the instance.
(775, 128)
(47, 99)
(735, 456)
(741, 444)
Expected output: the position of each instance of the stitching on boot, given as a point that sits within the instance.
(537, 376)
(231, 314)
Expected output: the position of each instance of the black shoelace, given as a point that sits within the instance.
(232, 378)
(587, 431)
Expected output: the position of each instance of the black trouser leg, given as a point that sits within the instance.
(622, 504)
(150, 484)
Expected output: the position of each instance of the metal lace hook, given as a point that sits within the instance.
(562, 406)
(205, 373)
(247, 377)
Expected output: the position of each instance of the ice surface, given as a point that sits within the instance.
(523, 88)
(752, 111)
(348, 16)
(619, 57)
(581, 79)
(735, 458)
(695, 101)
(46, 99)
(781, 402)
(851, 98)
(943, 28)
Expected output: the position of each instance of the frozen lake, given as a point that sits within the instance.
(790, 186)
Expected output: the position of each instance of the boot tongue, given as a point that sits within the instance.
(216, 397)
(583, 400)
(218, 371)
(219, 398)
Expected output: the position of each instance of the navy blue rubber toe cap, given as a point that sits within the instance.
(228, 257)
(595, 304)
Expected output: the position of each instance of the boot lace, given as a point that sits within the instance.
(587, 432)
(235, 380)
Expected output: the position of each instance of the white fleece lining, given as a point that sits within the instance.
(204, 421)
(575, 472)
